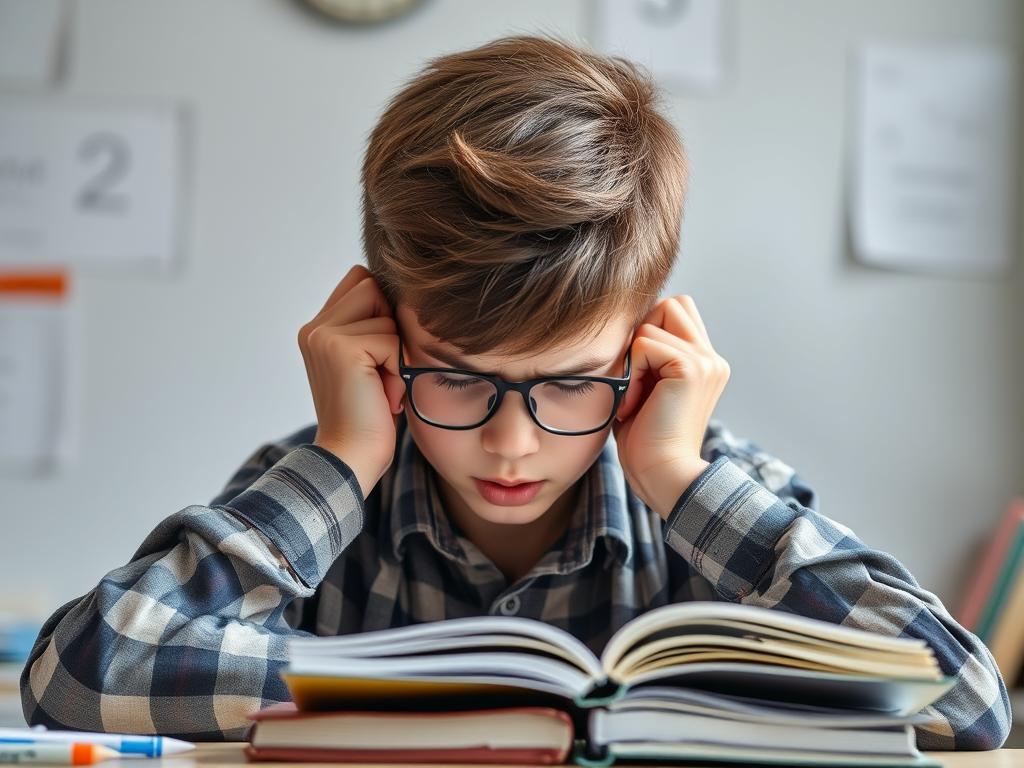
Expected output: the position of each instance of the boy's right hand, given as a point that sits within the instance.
(351, 353)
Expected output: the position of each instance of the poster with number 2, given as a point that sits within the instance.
(81, 183)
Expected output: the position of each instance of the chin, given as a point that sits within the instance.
(492, 513)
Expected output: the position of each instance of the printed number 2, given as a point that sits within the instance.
(98, 195)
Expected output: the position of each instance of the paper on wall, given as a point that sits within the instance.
(82, 183)
(682, 42)
(38, 371)
(935, 160)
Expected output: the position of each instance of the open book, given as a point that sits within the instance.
(781, 666)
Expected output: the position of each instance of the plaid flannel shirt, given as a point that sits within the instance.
(188, 637)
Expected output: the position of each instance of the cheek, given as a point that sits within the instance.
(441, 447)
(590, 446)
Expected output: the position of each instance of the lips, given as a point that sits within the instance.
(507, 483)
(506, 496)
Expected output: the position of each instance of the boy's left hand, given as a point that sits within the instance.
(675, 382)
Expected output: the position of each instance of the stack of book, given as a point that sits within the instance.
(993, 607)
(709, 681)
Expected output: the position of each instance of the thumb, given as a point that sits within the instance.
(394, 390)
(634, 397)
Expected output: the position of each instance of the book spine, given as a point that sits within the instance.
(456, 755)
(994, 554)
(997, 596)
(1007, 635)
(585, 754)
(600, 695)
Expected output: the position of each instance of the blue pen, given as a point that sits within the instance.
(126, 744)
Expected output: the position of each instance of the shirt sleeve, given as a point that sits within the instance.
(749, 525)
(187, 638)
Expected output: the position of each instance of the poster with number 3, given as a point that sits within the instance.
(82, 183)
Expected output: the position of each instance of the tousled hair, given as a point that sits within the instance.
(518, 194)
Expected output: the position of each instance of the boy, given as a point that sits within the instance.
(522, 203)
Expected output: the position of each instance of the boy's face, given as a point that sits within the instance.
(510, 445)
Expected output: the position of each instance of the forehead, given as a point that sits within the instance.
(610, 339)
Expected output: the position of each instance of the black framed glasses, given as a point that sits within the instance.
(452, 398)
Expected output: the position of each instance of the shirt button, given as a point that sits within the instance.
(510, 607)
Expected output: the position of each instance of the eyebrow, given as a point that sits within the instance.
(588, 365)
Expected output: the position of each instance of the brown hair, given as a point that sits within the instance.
(518, 194)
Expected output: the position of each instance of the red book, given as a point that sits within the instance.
(526, 735)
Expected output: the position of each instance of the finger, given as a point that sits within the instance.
(328, 343)
(353, 276)
(394, 388)
(376, 340)
(384, 350)
(381, 350)
(364, 300)
(394, 384)
(356, 305)
(690, 306)
(666, 337)
(670, 315)
(694, 361)
(369, 325)
(653, 360)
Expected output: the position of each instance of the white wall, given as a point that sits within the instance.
(896, 396)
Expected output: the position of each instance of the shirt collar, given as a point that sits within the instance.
(601, 512)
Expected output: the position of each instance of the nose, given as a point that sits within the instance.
(511, 431)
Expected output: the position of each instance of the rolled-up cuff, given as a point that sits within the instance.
(727, 525)
(309, 504)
